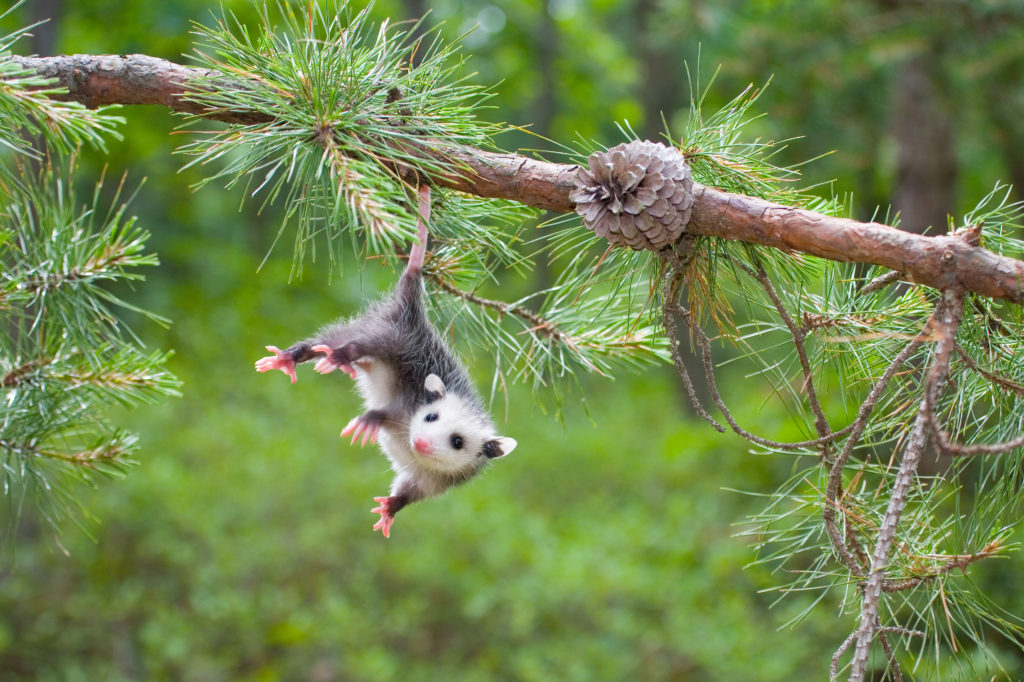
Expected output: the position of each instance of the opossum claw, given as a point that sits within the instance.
(386, 517)
(279, 360)
(358, 426)
(327, 364)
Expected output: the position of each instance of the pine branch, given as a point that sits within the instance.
(939, 261)
(538, 325)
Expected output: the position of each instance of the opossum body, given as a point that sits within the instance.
(420, 404)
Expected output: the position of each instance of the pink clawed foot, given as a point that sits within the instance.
(358, 426)
(326, 365)
(386, 517)
(279, 360)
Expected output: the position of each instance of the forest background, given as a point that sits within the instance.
(607, 546)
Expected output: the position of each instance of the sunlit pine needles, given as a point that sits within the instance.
(348, 107)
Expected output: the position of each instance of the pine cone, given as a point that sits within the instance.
(638, 194)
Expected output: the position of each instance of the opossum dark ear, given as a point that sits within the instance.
(434, 386)
(499, 447)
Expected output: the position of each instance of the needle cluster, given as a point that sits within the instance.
(65, 352)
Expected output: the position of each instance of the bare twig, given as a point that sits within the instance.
(671, 312)
(996, 379)
(538, 324)
(820, 422)
(942, 439)
(894, 665)
(880, 282)
(948, 447)
(704, 342)
(882, 630)
(835, 477)
(833, 671)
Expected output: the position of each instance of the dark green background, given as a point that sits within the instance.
(604, 548)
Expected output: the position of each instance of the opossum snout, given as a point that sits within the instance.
(423, 446)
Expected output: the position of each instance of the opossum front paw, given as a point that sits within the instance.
(363, 426)
(279, 360)
(328, 364)
(387, 517)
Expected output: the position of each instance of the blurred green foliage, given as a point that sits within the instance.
(604, 549)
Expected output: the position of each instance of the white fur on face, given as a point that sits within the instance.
(447, 436)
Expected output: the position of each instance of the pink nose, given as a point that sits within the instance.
(422, 445)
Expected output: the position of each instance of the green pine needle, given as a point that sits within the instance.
(345, 105)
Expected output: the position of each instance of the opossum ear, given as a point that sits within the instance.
(434, 386)
(499, 447)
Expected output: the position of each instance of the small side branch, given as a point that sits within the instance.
(950, 563)
(542, 327)
(1000, 381)
(798, 334)
(108, 452)
(704, 342)
(880, 282)
(672, 312)
(945, 443)
(835, 477)
(18, 374)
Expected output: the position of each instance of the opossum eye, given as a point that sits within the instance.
(457, 442)
(432, 417)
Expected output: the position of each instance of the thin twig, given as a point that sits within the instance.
(945, 443)
(894, 665)
(881, 629)
(880, 282)
(704, 342)
(537, 323)
(956, 449)
(901, 630)
(820, 422)
(1000, 381)
(835, 477)
(671, 313)
(833, 671)
(957, 561)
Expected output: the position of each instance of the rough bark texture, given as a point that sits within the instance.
(96, 80)
(937, 261)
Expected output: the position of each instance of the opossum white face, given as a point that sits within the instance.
(450, 436)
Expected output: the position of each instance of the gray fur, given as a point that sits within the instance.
(436, 432)
(396, 331)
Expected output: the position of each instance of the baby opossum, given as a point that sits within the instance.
(420, 402)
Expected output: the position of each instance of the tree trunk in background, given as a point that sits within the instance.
(926, 156)
(545, 104)
(1006, 118)
(44, 36)
(662, 85)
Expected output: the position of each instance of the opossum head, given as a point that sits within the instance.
(451, 435)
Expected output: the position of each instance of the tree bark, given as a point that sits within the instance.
(939, 261)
